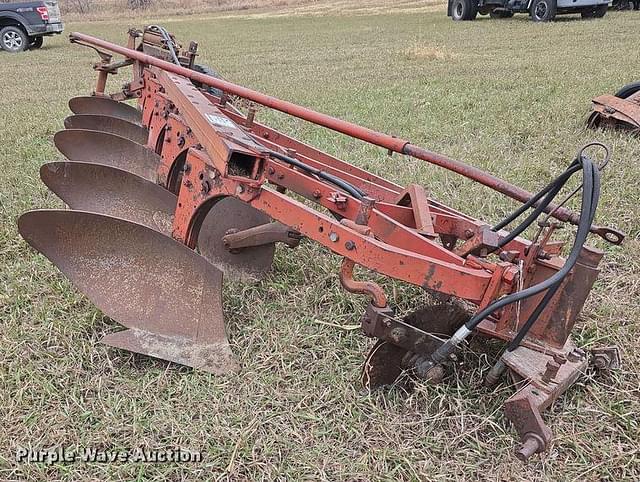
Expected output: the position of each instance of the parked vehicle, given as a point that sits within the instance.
(539, 10)
(625, 4)
(24, 25)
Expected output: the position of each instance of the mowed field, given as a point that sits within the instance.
(508, 96)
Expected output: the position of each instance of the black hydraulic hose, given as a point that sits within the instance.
(574, 167)
(555, 185)
(581, 236)
(590, 198)
(551, 194)
(341, 183)
(167, 38)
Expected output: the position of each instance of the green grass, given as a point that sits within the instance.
(507, 96)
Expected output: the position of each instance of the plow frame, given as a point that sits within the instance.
(210, 150)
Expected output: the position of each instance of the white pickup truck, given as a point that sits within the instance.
(539, 10)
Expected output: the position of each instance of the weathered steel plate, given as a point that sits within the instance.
(384, 363)
(166, 294)
(105, 106)
(106, 190)
(108, 149)
(111, 125)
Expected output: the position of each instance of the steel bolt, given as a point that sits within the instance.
(181, 141)
(205, 187)
(350, 245)
(317, 194)
(398, 334)
(469, 233)
(531, 444)
(333, 236)
(271, 171)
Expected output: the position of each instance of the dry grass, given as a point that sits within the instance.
(509, 96)
(86, 10)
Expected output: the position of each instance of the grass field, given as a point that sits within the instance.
(507, 96)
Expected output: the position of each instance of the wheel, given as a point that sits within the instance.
(597, 12)
(36, 42)
(204, 69)
(621, 4)
(543, 10)
(464, 10)
(501, 14)
(628, 90)
(13, 39)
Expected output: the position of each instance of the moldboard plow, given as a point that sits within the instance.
(165, 198)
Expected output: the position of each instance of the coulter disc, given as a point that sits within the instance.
(168, 296)
(105, 106)
(111, 125)
(384, 363)
(248, 263)
(108, 149)
(106, 190)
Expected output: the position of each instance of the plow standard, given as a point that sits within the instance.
(167, 198)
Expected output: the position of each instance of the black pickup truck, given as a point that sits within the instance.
(24, 25)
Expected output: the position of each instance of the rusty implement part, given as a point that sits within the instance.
(545, 376)
(399, 345)
(260, 235)
(106, 190)
(389, 142)
(606, 358)
(415, 197)
(111, 125)
(140, 278)
(105, 106)
(610, 110)
(231, 215)
(481, 243)
(369, 288)
(108, 149)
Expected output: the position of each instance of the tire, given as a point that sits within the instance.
(543, 10)
(501, 14)
(36, 42)
(464, 10)
(628, 90)
(597, 12)
(204, 69)
(621, 5)
(13, 39)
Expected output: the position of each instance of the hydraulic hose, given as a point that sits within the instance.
(509, 219)
(590, 197)
(167, 39)
(336, 181)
